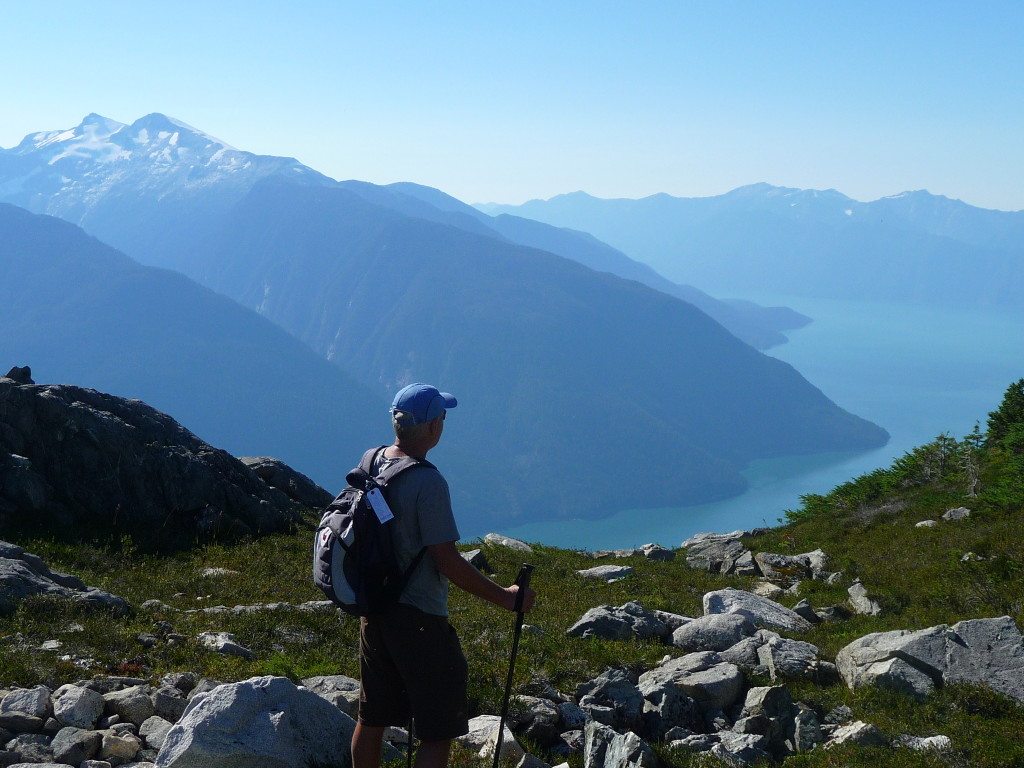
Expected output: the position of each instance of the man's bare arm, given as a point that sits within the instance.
(465, 576)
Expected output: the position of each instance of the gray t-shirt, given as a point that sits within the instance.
(422, 507)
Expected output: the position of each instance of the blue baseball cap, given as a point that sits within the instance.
(422, 402)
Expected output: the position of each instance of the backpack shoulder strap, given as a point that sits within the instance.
(396, 468)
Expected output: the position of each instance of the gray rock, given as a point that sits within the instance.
(803, 608)
(264, 722)
(18, 722)
(604, 748)
(23, 574)
(617, 690)
(987, 652)
(497, 540)
(224, 643)
(183, 681)
(704, 677)
(697, 538)
(697, 742)
(715, 555)
(782, 567)
(75, 745)
(167, 479)
(119, 748)
(483, 737)
(606, 573)
(95, 764)
(714, 632)
(154, 731)
(76, 706)
(858, 732)
(31, 747)
(760, 610)
(132, 705)
(217, 573)
(959, 513)
(647, 551)
(573, 717)
(806, 729)
(621, 623)
(530, 761)
(292, 483)
(478, 560)
(927, 524)
(536, 719)
(785, 658)
(740, 750)
(840, 715)
(860, 601)
(925, 743)
(767, 589)
(169, 703)
(342, 691)
(833, 613)
(28, 701)
(205, 685)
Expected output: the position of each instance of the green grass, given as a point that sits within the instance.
(866, 527)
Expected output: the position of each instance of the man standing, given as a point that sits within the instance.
(410, 658)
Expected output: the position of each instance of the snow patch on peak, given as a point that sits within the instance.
(157, 123)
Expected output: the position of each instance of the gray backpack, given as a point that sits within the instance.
(354, 560)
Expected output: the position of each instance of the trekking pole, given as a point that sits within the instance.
(523, 582)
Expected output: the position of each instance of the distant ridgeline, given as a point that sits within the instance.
(582, 392)
(913, 247)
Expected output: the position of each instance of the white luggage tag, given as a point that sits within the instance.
(379, 505)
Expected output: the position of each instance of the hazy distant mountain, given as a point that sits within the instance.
(568, 378)
(572, 383)
(80, 312)
(156, 187)
(914, 246)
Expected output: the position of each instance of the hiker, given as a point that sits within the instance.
(410, 658)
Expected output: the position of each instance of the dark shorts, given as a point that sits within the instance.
(412, 661)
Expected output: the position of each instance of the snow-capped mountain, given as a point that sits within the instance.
(68, 173)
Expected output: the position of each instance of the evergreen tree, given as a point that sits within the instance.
(1008, 414)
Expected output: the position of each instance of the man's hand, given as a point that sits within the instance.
(528, 598)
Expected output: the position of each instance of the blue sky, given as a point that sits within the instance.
(509, 101)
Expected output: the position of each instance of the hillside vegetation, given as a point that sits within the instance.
(920, 576)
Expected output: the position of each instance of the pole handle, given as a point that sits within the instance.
(523, 582)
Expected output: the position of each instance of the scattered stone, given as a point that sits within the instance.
(840, 715)
(833, 578)
(497, 540)
(478, 560)
(649, 551)
(224, 643)
(169, 703)
(604, 748)
(573, 717)
(925, 743)
(970, 557)
(28, 701)
(483, 736)
(760, 610)
(155, 606)
(535, 718)
(803, 608)
(715, 555)
(119, 748)
(77, 707)
(860, 601)
(342, 691)
(263, 722)
(714, 632)
(833, 613)
(927, 524)
(987, 652)
(613, 698)
(782, 567)
(703, 677)
(154, 730)
(767, 589)
(785, 658)
(626, 621)
(958, 513)
(75, 745)
(31, 747)
(858, 732)
(216, 573)
(713, 536)
(607, 573)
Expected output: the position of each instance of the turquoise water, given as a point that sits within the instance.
(916, 371)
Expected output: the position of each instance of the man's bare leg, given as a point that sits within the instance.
(366, 746)
(432, 754)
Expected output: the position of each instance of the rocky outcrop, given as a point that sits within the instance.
(607, 573)
(23, 574)
(987, 652)
(74, 459)
(264, 722)
(653, 552)
(295, 485)
(497, 540)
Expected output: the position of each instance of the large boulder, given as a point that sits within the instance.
(264, 722)
(342, 691)
(760, 610)
(987, 652)
(88, 461)
(715, 632)
(498, 540)
(295, 485)
(482, 738)
(613, 698)
(716, 555)
(23, 574)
